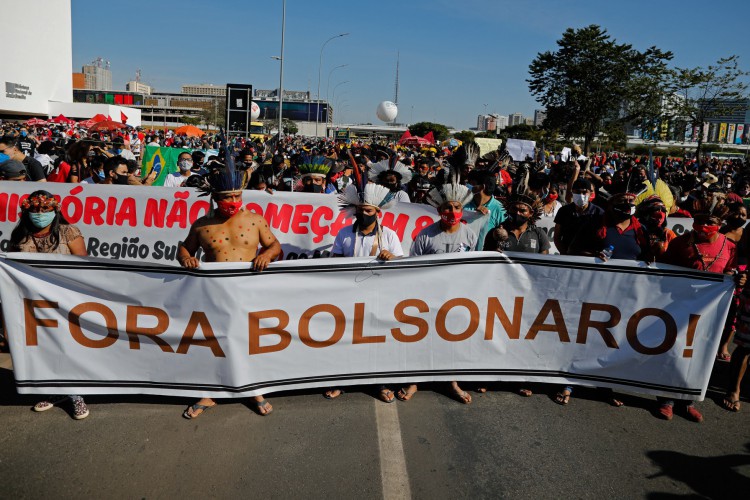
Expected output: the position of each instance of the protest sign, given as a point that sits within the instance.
(148, 223)
(519, 149)
(96, 326)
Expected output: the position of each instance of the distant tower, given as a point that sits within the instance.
(395, 96)
(138, 75)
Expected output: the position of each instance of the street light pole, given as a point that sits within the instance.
(281, 70)
(328, 87)
(320, 65)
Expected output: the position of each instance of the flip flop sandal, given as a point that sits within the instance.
(463, 397)
(261, 404)
(328, 396)
(731, 405)
(387, 396)
(195, 408)
(404, 395)
(564, 399)
(525, 393)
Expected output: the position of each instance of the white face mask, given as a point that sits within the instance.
(580, 199)
(185, 165)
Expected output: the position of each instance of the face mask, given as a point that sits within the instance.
(42, 220)
(552, 197)
(4, 157)
(229, 208)
(705, 229)
(100, 174)
(580, 200)
(545, 193)
(518, 220)
(393, 187)
(452, 218)
(658, 218)
(364, 220)
(23, 133)
(313, 188)
(185, 165)
(121, 179)
(118, 151)
(736, 222)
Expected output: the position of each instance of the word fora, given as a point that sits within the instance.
(409, 312)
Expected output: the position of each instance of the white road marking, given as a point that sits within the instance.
(393, 473)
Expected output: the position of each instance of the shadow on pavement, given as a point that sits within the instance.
(709, 477)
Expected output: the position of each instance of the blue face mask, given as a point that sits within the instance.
(118, 151)
(4, 157)
(43, 219)
(23, 133)
(101, 174)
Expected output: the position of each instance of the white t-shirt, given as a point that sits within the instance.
(555, 208)
(349, 244)
(175, 180)
(401, 197)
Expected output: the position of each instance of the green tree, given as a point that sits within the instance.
(423, 128)
(464, 136)
(289, 126)
(588, 82)
(695, 95)
(191, 120)
(215, 114)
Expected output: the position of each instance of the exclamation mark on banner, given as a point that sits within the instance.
(692, 324)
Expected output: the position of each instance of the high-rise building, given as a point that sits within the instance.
(539, 117)
(205, 89)
(481, 127)
(97, 75)
(528, 120)
(502, 122)
(515, 119)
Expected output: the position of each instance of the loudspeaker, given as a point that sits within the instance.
(239, 98)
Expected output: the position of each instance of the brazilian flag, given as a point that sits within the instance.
(163, 160)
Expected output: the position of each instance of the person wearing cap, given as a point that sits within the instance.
(576, 215)
(366, 237)
(118, 149)
(34, 170)
(13, 170)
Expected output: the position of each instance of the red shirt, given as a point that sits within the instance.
(719, 256)
(59, 174)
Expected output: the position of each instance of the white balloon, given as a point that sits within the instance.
(387, 111)
(254, 111)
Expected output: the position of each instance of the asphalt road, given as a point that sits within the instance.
(500, 446)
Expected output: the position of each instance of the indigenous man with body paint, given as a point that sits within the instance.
(229, 233)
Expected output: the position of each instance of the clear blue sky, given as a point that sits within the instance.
(456, 56)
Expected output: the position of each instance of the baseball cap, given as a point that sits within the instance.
(12, 168)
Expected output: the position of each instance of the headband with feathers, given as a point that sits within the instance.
(224, 180)
(391, 165)
(451, 191)
(373, 195)
(530, 200)
(317, 165)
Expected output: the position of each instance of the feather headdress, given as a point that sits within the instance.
(450, 191)
(373, 195)
(317, 165)
(224, 180)
(530, 200)
(390, 165)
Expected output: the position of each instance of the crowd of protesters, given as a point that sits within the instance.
(610, 206)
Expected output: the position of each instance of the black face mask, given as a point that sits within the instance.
(313, 188)
(517, 220)
(364, 220)
(121, 179)
(736, 222)
(622, 211)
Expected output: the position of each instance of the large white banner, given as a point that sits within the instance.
(98, 326)
(148, 223)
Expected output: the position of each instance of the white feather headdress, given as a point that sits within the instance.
(373, 195)
(394, 165)
(449, 192)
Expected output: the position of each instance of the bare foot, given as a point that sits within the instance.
(405, 394)
(732, 402)
(332, 393)
(462, 395)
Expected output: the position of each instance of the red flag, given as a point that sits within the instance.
(123, 118)
(430, 137)
(406, 135)
(109, 118)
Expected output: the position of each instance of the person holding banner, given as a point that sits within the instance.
(574, 216)
(229, 233)
(366, 238)
(43, 229)
(448, 235)
(705, 249)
